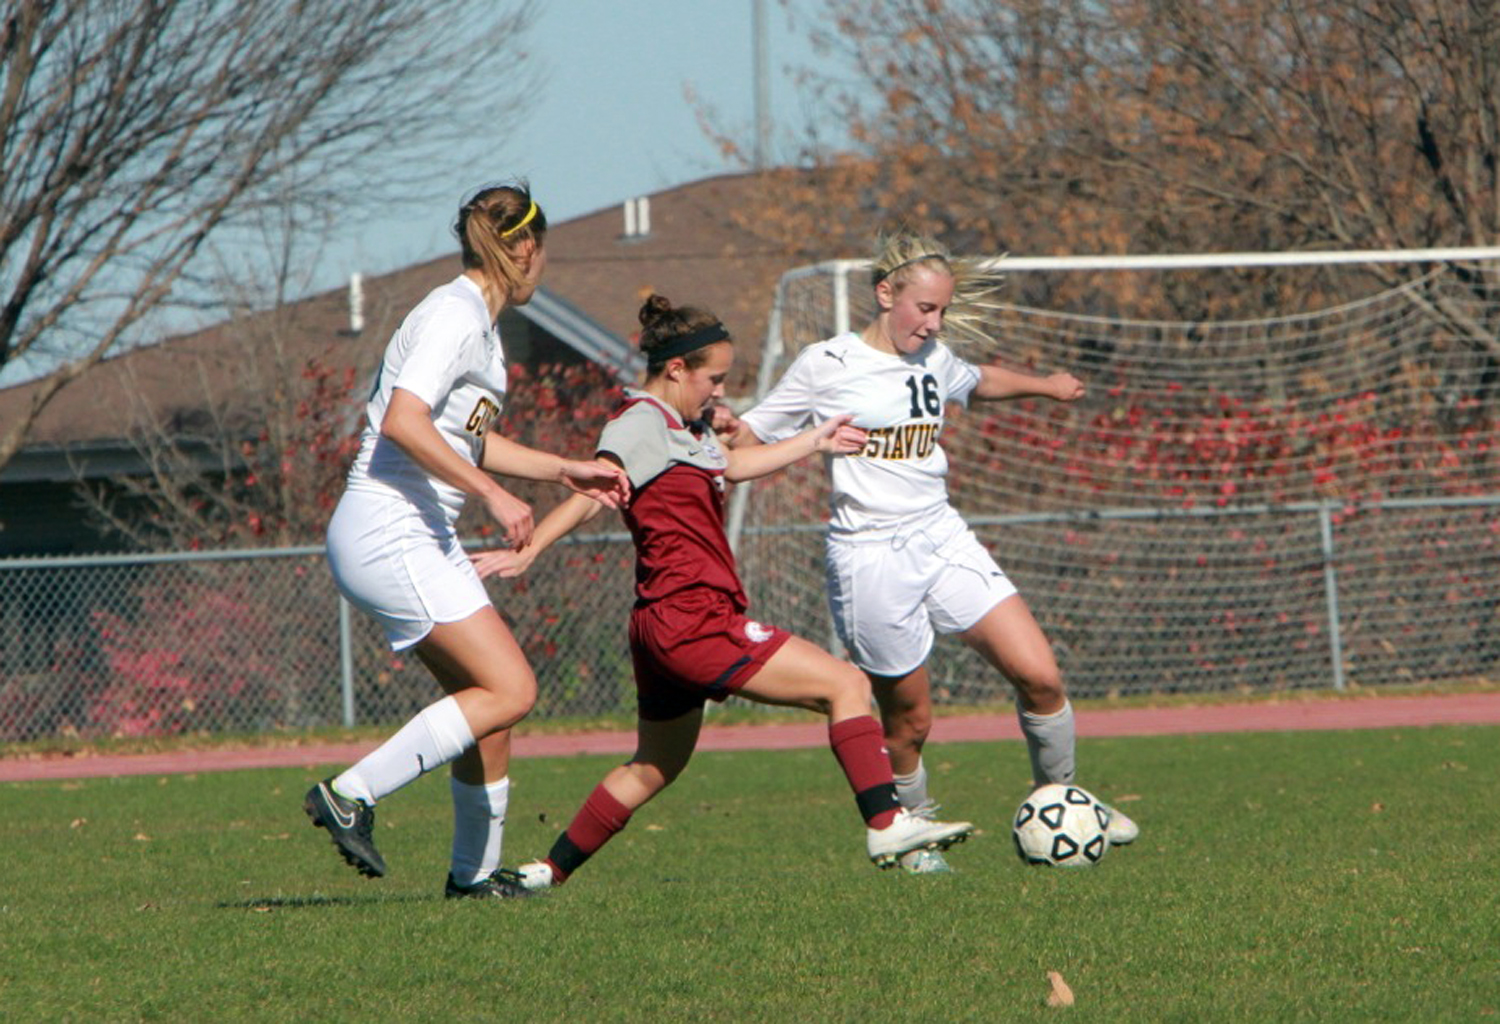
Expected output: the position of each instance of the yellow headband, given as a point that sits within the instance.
(530, 213)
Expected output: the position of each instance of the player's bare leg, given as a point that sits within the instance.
(663, 749)
(490, 686)
(801, 674)
(1009, 638)
(906, 716)
(480, 789)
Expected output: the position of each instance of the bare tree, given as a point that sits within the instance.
(134, 131)
(1159, 125)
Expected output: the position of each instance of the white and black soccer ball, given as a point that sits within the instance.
(1061, 826)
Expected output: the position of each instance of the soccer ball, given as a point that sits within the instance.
(1061, 826)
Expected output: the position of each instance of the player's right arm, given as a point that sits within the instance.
(408, 423)
(566, 517)
(833, 436)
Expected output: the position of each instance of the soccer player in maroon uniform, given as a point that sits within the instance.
(690, 639)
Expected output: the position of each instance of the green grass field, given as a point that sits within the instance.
(1300, 876)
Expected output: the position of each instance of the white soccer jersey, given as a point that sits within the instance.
(899, 399)
(446, 352)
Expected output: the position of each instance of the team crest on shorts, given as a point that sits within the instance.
(757, 633)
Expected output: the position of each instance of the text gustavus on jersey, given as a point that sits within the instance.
(905, 441)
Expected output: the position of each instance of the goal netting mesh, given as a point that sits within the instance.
(1307, 500)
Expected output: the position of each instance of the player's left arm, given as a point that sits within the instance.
(833, 436)
(997, 382)
(602, 481)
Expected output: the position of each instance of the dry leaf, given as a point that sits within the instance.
(1377, 807)
(1061, 994)
(78, 823)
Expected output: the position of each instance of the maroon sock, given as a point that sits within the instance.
(600, 817)
(859, 745)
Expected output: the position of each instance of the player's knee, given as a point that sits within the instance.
(848, 687)
(909, 726)
(657, 774)
(504, 705)
(1041, 688)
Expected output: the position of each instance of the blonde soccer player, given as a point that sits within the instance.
(902, 565)
(691, 640)
(428, 447)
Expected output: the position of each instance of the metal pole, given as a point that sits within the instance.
(762, 85)
(346, 662)
(1331, 589)
(840, 300)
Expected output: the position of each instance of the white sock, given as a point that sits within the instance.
(436, 735)
(1050, 740)
(478, 828)
(911, 790)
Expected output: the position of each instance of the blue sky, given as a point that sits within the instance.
(611, 119)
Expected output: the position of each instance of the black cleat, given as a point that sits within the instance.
(504, 884)
(349, 824)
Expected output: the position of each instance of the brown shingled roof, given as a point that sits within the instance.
(694, 254)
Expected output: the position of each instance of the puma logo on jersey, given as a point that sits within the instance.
(906, 441)
(836, 355)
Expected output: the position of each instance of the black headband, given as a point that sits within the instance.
(881, 275)
(689, 342)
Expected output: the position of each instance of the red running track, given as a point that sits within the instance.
(1332, 713)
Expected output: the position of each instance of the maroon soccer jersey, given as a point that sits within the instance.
(676, 510)
(689, 637)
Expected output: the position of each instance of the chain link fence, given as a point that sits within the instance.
(1247, 600)
(1311, 595)
(256, 641)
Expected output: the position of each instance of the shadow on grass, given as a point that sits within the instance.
(304, 902)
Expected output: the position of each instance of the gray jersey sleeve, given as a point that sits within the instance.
(646, 444)
(638, 439)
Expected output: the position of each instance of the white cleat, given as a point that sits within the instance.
(1121, 831)
(909, 832)
(925, 862)
(535, 875)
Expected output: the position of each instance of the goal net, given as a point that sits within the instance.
(1306, 500)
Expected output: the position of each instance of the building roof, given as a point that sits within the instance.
(692, 250)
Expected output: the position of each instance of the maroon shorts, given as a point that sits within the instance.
(695, 646)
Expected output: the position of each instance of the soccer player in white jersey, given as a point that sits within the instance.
(901, 562)
(429, 445)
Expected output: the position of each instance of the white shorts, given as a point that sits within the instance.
(888, 596)
(405, 570)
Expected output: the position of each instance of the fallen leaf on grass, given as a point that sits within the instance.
(1061, 994)
(78, 823)
(1377, 807)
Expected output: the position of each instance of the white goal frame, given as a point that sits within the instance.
(840, 272)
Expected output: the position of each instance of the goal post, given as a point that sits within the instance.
(1305, 499)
